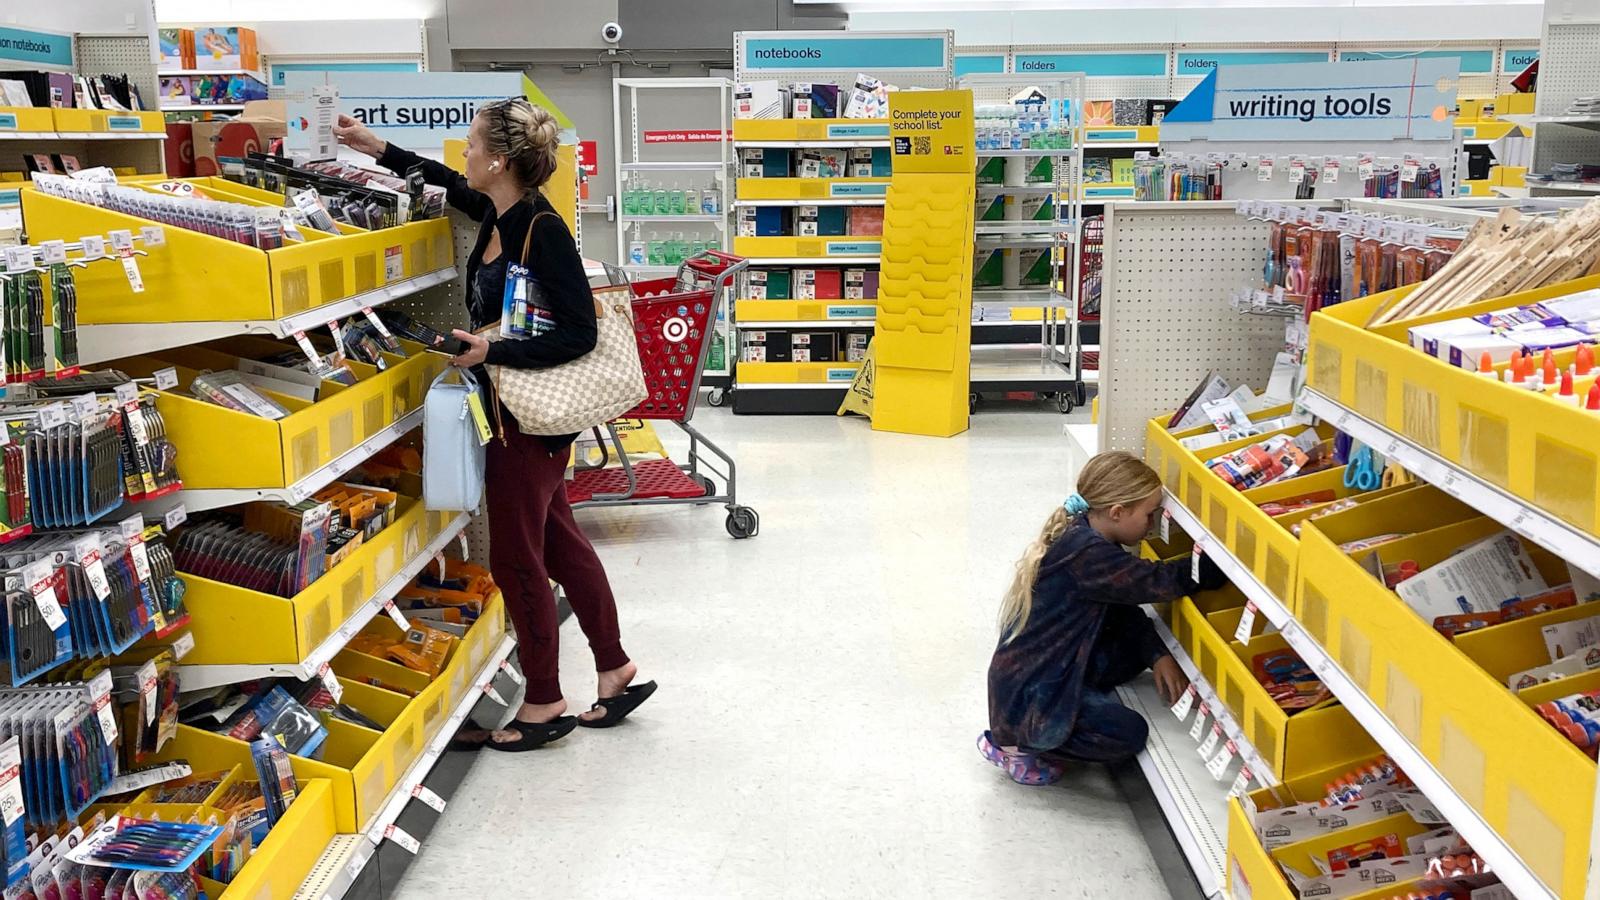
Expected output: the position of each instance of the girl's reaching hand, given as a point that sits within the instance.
(1171, 682)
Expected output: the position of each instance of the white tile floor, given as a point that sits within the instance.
(821, 688)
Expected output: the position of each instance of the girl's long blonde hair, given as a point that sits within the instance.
(1110, 478)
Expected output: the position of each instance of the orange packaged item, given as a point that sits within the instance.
(1351, 856)
(370, 644)
(470, 604)
(424, 649)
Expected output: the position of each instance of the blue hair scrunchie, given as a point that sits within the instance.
(1076, 505)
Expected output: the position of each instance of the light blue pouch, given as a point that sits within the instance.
(452, 454)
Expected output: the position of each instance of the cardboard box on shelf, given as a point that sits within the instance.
(253, 132)
(178, 149)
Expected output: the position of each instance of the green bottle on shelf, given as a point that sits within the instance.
(661, 205)
(630, 199)
(658, 251)
(675, 202)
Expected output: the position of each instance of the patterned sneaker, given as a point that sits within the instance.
(1033, 769)
(991, 751)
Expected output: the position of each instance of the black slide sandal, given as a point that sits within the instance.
(458, 745)
(533, 734)
(617, 708)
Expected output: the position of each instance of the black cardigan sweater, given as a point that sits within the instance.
(553, 261)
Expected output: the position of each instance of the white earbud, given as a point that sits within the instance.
(494, 167)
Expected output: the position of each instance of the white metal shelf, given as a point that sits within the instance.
(1019, 298)
(996, 363)
(195, 500)
(1577, 547)
(1590, 122)
(204, 107)
(693, 165)
(820, 201)
(348, 854)
(1028, 151)
(1194, 803)
(100, 343)
(83, 135)
(840, 142)
(1582, 187)
(174, 73)
(1119, 145)
(791, 386)
(669, 219)
(1466, 820)
(196, 678)
(1029, 226)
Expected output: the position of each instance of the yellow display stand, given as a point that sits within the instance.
(924, 324)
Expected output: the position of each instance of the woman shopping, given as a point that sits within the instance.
(510, 154)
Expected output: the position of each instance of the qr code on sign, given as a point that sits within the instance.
(922, 144)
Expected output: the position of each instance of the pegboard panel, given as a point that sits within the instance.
(1569, 67)
(1168, 270)
(97, 54)
(933, 79)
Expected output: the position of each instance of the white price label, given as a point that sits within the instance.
(12, 807)
(1219, 763)
(130, 268)
(141, 557)
(1241, 784)
(1330, 170)
(88, 551)
(404, 839)
(1199, 726)
(100, 696)
(85, 405)
(166, 379)
(1247, 623)
(175, 516)
(1279, 294)
(489, 691)
(376, 322)
(512, 673)
(182, 646)
(121, 240)
(1166, 526)
(1297, 172)
(53, 416)
(127, 393)
(331, 682)
(1408, 169)
(305, 346)
(395, 614)
(1264, 169)
(19, 258)
(338, 338)
(94, 247)
(1364, 168)
(1194, 563)
(153, 236)
(147, 690)
(42, 583)
(434, 801)
(394, 265)
(53, 251)
(1185, 703)
(1212, 740)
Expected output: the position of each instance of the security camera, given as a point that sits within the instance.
(611, 33)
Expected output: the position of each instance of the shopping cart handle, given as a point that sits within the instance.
(714, 262)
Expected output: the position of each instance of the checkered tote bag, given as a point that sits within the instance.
(592, 389)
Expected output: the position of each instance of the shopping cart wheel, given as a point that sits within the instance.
(1064, 402)
(743, 522)
(1083, 394)
(717, 397)
(972, 402)
(706, 484)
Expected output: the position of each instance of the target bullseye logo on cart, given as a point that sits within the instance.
(675, 329)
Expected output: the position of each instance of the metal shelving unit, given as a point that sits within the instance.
(630, 102)
(1051, 367)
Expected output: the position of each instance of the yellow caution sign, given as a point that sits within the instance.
(858, 399)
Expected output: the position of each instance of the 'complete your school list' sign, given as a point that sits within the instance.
(1405, 99)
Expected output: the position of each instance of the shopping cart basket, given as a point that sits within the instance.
(673, 320)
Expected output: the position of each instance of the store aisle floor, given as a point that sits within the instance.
(821, 689)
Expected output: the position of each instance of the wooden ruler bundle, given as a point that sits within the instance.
(1505, 255)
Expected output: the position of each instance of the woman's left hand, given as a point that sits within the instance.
(477, 349)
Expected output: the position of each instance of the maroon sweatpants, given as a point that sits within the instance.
(533, 539)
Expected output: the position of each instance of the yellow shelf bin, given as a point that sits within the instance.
(230, 449)
(794, 130)
(805, 310)
(182, 279)
(835, 373)
(1536, 448)
(1527, 781)
(284, 630)
(109, 121)
(822, 249)
(812, 188)
(360, 765)
(25, 118)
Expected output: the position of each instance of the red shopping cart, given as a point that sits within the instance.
(673, 320)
